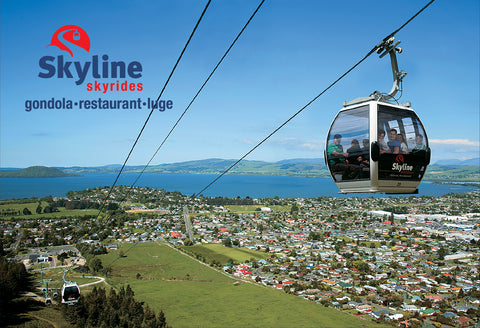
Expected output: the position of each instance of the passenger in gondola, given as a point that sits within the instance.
(381, 141)
(403, 144)
(419, 143)
(338, 160)
(366, 147)
(393, 143)
(356, 155)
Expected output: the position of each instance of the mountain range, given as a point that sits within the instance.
(446, 170)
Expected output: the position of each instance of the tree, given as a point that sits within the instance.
(441, 253)
(62, 257)
(294, 209)
(97, 309)
(38, 210)
(227, 242)
(96, 264)
(187, 242)
(112, 206)
(26, 211)
(107, 270)
(14, 279)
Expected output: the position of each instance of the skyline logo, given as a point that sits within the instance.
(70, 34)
(101, 73)
(400, 165)
(399, 159)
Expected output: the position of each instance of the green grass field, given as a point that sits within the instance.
(194, 295)
(33, 206)
(55, 278)
(223, 254)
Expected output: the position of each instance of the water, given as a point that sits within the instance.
(231, 186)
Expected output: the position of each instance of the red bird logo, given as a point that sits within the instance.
(70, 34)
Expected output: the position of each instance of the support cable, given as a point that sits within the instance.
(316, 97)
(198, 92)
(154, 107)
(188, 107)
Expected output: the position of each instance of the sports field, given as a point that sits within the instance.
(194, 295)
(224, 255)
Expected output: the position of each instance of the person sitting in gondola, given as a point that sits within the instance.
(338, 160)
(419, 143)
(393, 143)
(381, 141)
(366, 153)
(403, 144)
(357, 155)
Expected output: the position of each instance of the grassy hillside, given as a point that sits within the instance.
(9, 210)
(194, 295)
(453, 173)
(222, 254)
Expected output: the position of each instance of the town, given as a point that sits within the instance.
(408, 261)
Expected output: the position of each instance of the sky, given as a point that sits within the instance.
(289, 53)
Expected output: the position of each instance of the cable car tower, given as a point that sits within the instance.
(375, 145)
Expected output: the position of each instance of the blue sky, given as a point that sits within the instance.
(290, 52)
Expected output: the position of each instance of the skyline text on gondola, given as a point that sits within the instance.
(401, 167)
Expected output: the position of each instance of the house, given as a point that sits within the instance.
(354, 304)
(43, 258)
(450, 315)
(462, 321)
(434, 298)
(410, 323)
(396, 316)
(409, 307)
(379, 314)
(427, 312)
(364, 308)
(463, 308)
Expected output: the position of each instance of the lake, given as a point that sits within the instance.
(254, 186)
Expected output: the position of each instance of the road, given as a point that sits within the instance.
(100, 280)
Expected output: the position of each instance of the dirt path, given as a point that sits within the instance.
(100, 280)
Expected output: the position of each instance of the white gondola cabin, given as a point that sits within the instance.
(70, 292)
(375, 146)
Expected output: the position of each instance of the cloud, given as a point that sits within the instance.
(454, 149)
(246, 141)
(458, 142)
(297, 144)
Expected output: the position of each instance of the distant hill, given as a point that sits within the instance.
(457, 162)
(302, 161)
(302, 167)
(293, 167)
(36, 172)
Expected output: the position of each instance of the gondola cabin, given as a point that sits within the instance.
(377, 147)
(70, 292)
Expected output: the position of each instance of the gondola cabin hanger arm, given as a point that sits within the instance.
(376, 146)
